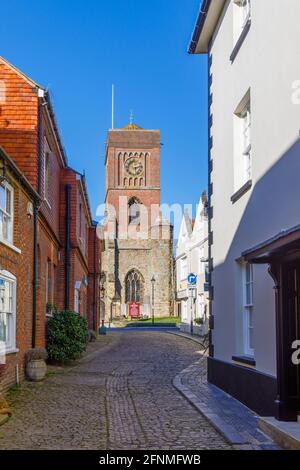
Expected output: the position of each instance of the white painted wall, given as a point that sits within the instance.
(192, 246)
(268, 63)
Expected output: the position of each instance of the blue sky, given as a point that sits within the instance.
(79, 48)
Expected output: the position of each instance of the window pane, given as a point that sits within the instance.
(5, 226)
(8, 201)
(248, 273)
(6, 306)
(2, 198)
(3, 327)
(250, 328)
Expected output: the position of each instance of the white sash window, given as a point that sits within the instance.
(8, 310)
(6, 213)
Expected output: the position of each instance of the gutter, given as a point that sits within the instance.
(199, 25)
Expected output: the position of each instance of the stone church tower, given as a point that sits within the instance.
(138, 241)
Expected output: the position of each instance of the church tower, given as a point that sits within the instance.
(138, 244)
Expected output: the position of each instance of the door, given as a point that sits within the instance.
(291, 324)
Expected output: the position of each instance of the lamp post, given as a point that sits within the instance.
(153, 280)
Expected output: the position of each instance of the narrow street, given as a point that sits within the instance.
(120, 396)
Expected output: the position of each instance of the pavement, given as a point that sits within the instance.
(120, 396)
(237, 423)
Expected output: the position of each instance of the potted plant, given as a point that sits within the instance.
(36, 367)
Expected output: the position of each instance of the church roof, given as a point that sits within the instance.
(132, 127)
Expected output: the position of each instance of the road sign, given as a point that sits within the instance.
(192, 292)
(192, 279)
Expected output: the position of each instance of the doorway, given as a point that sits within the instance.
(291, 330)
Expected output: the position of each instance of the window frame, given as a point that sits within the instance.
(243, 161)
(49, 296)
(10, 239)
(248, 309)
(7, 276)
(47, 154)
(183, 275)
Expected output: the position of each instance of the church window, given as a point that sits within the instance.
(134, 287)
(134, 212)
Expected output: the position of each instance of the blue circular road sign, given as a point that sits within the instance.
(192, 279)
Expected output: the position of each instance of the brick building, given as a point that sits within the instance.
(138, 242)
(65, 273)
(17, 199)
(79, 268)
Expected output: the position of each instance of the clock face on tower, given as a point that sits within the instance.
(134, 167)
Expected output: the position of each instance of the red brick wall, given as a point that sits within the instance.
(50, 208)
(94, 278)
(48, 251)
(21, 266)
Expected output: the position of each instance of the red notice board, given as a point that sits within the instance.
(134, 310)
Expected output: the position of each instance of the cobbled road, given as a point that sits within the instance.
(120, 396)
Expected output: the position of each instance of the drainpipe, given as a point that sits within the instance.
(68, 246)
(35, 273)
(35, 224)
(39, 146)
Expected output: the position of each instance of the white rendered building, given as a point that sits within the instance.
(254, 199)
(191, 257)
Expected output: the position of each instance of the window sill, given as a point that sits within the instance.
(11, 246)
(238, 194)
(240, 40)
(246, 360)
(12, 351)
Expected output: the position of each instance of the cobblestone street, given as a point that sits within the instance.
(120, 396)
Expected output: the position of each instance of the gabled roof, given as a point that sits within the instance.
(209, 14)
(46, 95)
(21, 74)
(186, 228)
(201, 215)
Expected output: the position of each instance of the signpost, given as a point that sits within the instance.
(192, 281)
(134, 310)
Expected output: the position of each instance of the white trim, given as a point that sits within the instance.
(247, 310)
(8, 187)
(12, 351)
(9, 277)
(47, 153)
(11, 246)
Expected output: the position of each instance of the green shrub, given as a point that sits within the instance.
(67, 335)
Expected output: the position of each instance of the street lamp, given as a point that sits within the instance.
(153, 280)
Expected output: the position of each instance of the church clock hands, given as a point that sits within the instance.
(134, 167)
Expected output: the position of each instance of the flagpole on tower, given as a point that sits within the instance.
(113, 106)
